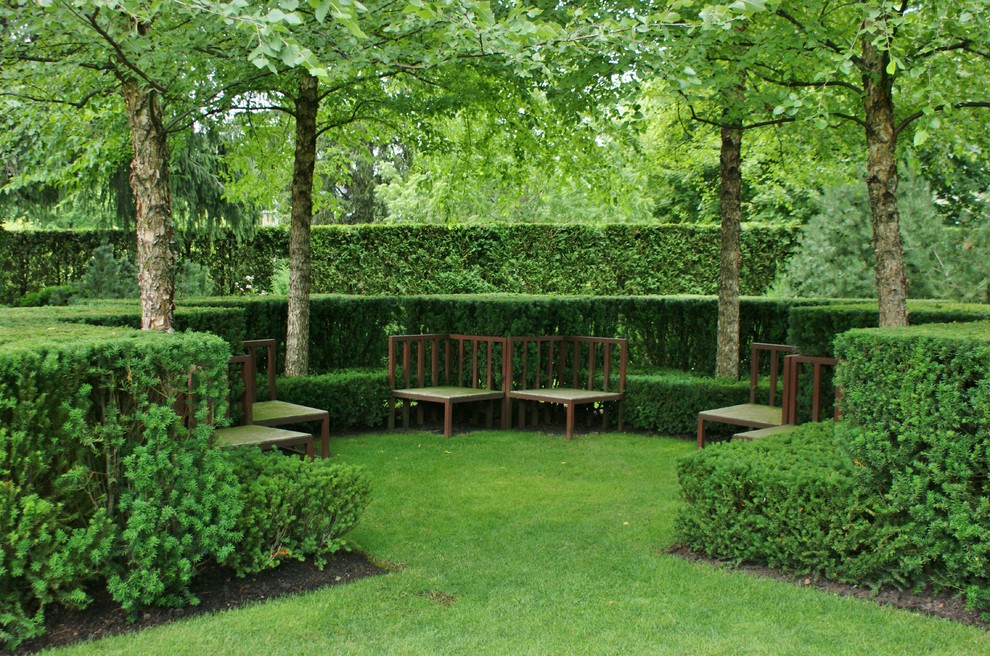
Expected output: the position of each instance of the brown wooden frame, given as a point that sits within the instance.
(754, 415)
(561, 369)
(449, 369)
(280, 413)
(245, 433)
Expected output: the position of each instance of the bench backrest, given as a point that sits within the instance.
(433, 360)
(185, 404)
(591, 363)
(777, 368)
(267, 348)
(820, 387)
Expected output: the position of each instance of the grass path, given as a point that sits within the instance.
(523, 543)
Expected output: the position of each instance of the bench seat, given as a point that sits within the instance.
(449, 370)
(565, 395)
(749, 436)
(264, 437)
(442, 393)
(750, 415)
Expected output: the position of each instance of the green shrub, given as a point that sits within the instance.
(174, 521)
(109, 277)
(42, 560)
(356, 398)
(668, 402)
(898, 495)
(193, 279)
(51, 295)
(293, 508)
(782, 500)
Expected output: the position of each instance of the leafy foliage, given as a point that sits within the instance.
(293, 508)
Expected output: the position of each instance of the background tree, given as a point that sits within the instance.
(158, 59)
(850, 62)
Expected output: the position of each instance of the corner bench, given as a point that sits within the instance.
(754, 415)
(569, 371)
(449, 370)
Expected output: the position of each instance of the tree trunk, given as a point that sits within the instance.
(297, 332)
(730, 173)
(153, 204)
(881, 182)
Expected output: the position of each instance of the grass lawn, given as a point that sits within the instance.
(524, 543)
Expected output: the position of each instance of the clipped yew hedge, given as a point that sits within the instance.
(618, 259)
(896, 494)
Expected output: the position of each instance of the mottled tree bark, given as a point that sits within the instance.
(881, 182)
(153, 201)
(297, 333)
(730, 174)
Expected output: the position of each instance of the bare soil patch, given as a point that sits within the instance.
(217, 588)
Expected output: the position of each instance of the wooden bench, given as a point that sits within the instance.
(273, 412)
(753, 415)
(245, 433)
(569, 371)
(790, 416)
(449, 370)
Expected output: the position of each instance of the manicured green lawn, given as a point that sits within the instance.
(524, 543)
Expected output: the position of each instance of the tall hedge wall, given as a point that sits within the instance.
(672, 332)
(426, 259)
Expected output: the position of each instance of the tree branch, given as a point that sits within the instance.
(969, 104)
(92, 21)
(828, 43)
(78, 104)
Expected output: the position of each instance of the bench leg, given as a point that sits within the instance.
(522, 414)
(604, 416)
(619, 410)
(324, 438)
(506, 413)
(405, 413)
(448, 418)
(701, 433)
(391, 413)
(309, 450)
(570, 420)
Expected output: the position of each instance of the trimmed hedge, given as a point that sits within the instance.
(813, 328)
(668, 402)
(917, 403)
(99, 478)
(227, 323)
(895, 494)
(429, 259)
(782, 500)
(674, 332)
(357, 399)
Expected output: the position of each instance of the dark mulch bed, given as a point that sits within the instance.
(937, 604)
(217, 589)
